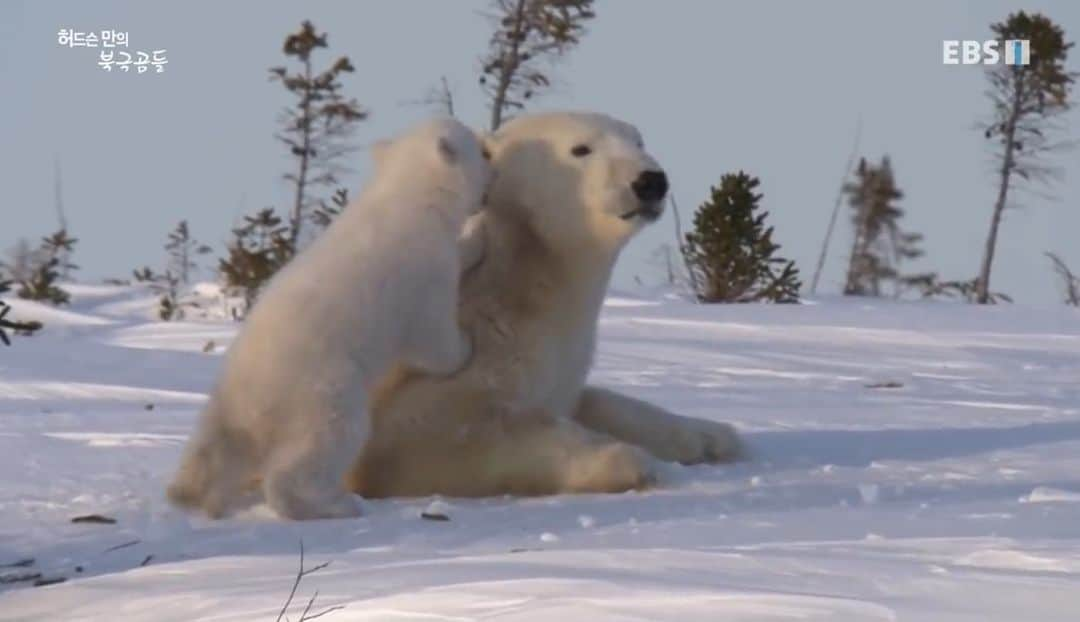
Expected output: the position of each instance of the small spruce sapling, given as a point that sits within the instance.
(730, 250)
(183, 249)
(260, 247)
(167, 286)
(51, 259)
(17, 327)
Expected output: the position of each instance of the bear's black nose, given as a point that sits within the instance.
(650, 186)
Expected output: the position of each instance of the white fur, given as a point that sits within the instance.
(519, 418)
(379, 286)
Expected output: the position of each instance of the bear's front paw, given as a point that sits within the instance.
(695, 441)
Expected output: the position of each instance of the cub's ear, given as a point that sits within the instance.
(379, 150)
(447, 150)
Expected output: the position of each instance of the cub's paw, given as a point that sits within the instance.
(328, 507)
(340, 506)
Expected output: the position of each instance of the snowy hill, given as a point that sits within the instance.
(910, 461)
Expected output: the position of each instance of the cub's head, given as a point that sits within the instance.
(576, 178)
(441, 152)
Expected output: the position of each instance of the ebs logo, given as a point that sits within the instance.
(1017, 52)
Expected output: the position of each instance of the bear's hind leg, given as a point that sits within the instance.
(667, 436)
(560, 456)
(527, 456)
(306, 481)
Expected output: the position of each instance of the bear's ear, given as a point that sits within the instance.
(447, 150)
(378, 151)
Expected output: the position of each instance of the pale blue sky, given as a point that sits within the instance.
(773, 88)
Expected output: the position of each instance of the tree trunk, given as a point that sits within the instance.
(448, 97)
(982, 283)
(508, 67)
(65, 260)
(301, 178)
(499, 101)
(184, 263)
(856, 245)
(836, 209)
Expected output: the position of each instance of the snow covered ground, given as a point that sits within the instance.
(911, 461)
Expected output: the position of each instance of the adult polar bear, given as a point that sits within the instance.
(570, 190)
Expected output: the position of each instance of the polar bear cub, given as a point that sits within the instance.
(378, 288)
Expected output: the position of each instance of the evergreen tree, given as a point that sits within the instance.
(528, 34)
(1026, 99)
(260, 247)
(730, 250)
(17, 327)
(182, 250)
(327, 212)
(318, 128)
(879, 245)
(51, 258)
(60, 245)
(932, 287)
(167, 286)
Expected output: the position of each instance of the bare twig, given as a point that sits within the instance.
(45, 581)
(447, 97)
(122, 546)
(681, 242)
(322, 613)
(836, 208)
(300, 574)
(96, 519)
(1069, 280)
(310, 602)
(19, 577)
(439, 98)
(22, 563)
(304, 616)
(296, 584)
(442, 97)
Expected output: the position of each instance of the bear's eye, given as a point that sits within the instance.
(487, 154)
(581, 151)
